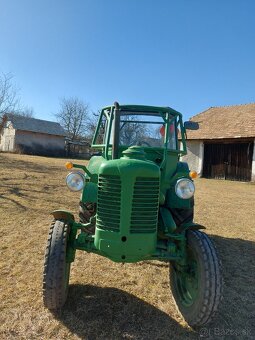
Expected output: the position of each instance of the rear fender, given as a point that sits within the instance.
(63, 215)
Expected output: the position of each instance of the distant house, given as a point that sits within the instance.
(223, 147)
(31, 136)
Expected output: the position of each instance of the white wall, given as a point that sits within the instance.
(253, 164)
(12, 140)
(195, 155)
(7, 139)
(33, 139)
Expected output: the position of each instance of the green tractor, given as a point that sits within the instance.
(137, 203)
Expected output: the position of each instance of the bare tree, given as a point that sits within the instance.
(132, 132)
(8, 94)
(73, 115)
(26, 111)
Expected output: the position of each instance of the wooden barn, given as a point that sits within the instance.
(31, 136)
(223, 147)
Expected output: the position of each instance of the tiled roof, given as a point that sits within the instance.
(36, 125)
(236, 121)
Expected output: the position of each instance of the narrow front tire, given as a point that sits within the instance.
(56, 268)
(197, 288)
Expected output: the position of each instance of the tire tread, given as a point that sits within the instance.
(213, 281)
(54, 292)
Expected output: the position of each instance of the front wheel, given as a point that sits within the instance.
(56, 268)
(197, 288)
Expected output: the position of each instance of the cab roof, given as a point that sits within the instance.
(145, 109)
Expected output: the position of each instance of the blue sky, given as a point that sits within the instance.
(187, 54)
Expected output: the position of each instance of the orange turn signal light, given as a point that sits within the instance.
(69, 165)
(193, 174)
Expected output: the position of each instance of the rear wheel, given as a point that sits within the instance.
(197, 290)
(56, 268)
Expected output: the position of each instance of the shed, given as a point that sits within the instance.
(31, 136)
(78, 148)
(223, 146)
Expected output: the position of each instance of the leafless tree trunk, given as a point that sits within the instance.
(73, 115)
(8, 94)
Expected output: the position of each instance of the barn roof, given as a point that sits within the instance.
(36, 125)
(237, 121)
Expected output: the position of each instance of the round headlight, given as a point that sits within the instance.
(184, 188)
(75, 181)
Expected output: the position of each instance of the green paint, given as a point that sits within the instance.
(187, 280)
(133, 212)
(134, 192)
(128, 199)
(89, 193)
(168, 221)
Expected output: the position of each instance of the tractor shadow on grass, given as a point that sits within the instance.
(237, 309)
(109, 313)
(94, 312)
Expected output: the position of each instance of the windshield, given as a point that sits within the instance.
(146, 130)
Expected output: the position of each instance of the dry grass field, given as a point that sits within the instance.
(108, 300)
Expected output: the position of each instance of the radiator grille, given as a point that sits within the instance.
(109, 198)
(144, 215)
(145, 203)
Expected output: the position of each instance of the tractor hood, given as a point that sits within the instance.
(127, 207)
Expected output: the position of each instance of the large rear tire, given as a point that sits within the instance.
(56, 268)
(197, 290)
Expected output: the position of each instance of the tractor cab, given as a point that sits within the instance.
(153, 129)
